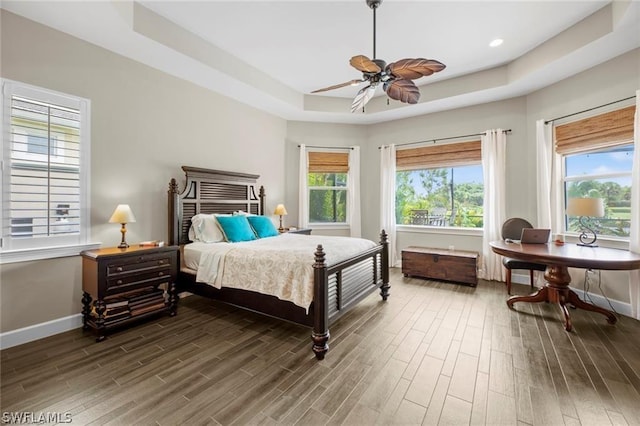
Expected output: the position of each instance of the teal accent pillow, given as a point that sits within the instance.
(263, 226)
(236, 228)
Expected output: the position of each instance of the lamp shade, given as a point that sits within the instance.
(280, 210)
(122, 214)
(590, 207)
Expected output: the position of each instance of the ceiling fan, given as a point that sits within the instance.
(395, 77)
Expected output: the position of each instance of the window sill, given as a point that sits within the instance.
(609, 242)
(329, 226)
(449, 230)
(28, 255)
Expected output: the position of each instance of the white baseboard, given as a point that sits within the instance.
(39, 331)
(622, 308)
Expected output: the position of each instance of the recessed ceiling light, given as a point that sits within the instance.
(496, 42)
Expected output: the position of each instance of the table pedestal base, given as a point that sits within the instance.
(556, 290)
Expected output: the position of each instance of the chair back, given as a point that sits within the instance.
(512, 228)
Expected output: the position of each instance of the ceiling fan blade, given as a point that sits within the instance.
(402, 90)
(411, 68)
(364, 95)
(337, 86)
(364, 64)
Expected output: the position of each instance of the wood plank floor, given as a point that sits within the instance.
(434, 353)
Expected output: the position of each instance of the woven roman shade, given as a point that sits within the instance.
(439, 156)
(328, 162)
(602, 131)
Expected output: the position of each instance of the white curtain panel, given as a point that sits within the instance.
(494, 145)
(355, 222)
(303, 196)
(388, 198)
(634, 238)
(549, 178)
(550, 206)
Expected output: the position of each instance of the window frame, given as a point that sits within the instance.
(51, 246)
(596, 176)
(347, 188)
(447, 226)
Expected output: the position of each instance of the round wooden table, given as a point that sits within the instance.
(558, 259)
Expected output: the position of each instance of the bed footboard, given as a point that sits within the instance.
(341, 286)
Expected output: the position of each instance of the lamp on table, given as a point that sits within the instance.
(586, 207)
(123, 215)
(280, 211)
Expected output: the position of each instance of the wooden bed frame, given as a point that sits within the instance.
(337, 288)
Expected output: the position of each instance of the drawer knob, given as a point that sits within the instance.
(160, 274)
(119, 282)
(436, 258)
(119, 269)
(160, 262)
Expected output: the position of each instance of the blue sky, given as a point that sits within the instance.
(600, 163)
(620, 160)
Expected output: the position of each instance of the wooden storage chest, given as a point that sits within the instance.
(439, 264)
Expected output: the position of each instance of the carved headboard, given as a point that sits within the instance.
(210, 191)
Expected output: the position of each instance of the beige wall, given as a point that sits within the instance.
(145, 124)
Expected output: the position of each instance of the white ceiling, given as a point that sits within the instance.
(272, 54)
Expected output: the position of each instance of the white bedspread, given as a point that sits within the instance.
(280, 266)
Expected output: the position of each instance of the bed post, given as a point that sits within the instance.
(261, 195)
(175, 217)
(320, 334)
(384, 289)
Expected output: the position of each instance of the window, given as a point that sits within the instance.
(328, 185)
(45, 178)
(597, 157)
(440, 185)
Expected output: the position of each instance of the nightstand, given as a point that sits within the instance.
(121, 286)
(304, 231)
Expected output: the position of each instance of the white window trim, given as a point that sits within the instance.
(431, 229)
(610, 241)
(27, 255)
(52, 247)
(445, 230)
(347, 188)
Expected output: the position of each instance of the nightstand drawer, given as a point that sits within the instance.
(140, 264)
(126, 282)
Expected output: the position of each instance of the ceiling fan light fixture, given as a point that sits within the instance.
(497, 42)
(395, 78)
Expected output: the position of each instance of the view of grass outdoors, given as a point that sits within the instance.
(327, 197)
(605, 174)
(440, 197)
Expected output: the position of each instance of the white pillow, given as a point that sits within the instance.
(206, 229)
(192, 232)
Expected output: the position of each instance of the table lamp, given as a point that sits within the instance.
(586, 207)
(123, 215)
(280, 211)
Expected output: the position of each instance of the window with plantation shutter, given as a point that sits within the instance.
(44, 179)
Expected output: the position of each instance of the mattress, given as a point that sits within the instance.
(280, 266)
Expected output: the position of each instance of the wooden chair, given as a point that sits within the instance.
(512, 230)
